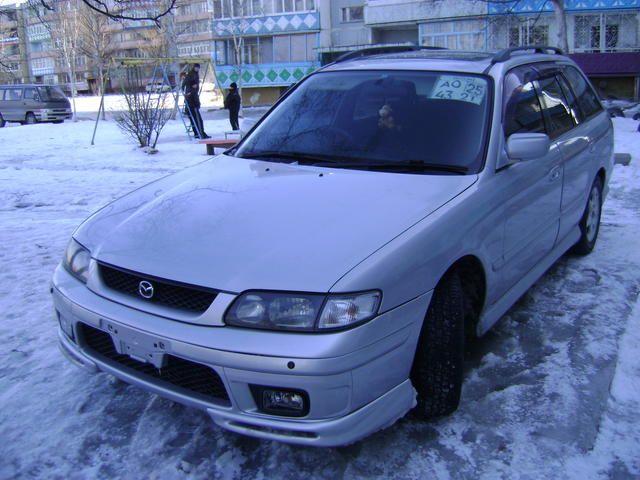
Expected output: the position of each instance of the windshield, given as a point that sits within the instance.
(51, 93)
(377, 119)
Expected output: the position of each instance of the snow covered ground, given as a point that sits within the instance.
(553, 391)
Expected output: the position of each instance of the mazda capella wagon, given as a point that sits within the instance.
(319, 280)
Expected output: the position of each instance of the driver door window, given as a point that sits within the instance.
(523, 112)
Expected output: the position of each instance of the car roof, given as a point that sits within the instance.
(441, 60)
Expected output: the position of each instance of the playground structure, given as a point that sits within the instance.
(154, 77)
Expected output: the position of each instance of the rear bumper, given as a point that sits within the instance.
(351, 396)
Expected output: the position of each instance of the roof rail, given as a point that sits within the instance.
(364, 52)
(504, 55)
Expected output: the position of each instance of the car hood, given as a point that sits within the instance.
(235, 224)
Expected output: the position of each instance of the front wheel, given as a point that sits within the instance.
(437, 368)
(30, 119)
(2, 121)
(590, 222)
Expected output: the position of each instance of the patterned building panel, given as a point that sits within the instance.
(303, 22)
(264, 75)
(531, 6)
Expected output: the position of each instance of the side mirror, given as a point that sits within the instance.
(527, 146)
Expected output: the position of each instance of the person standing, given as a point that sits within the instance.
(232, 103)
(187, 110)
(191, 87)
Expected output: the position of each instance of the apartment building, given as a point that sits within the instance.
(265, 45)
(12, 47)
(603, 35)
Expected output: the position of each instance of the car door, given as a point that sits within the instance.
(31, 100)
(583, 149)
(13, 102)
(532, 188)
(3, 106)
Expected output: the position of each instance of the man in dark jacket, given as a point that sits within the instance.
(232, 103)
(191, 88)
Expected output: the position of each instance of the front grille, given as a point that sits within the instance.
(183, 297)
(179, 374)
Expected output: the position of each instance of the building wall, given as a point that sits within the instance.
(278, 49)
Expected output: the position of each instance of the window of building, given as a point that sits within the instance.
(352, 14)
(455, 35)
(298, 48)
(266, 49)
(528, 34)
(257, 8)
(281, 48)
(603, 32)
(276, 49)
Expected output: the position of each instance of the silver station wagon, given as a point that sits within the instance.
(319, 280)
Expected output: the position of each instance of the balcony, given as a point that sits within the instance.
(387, 12)
(265, 74)
(269, 25)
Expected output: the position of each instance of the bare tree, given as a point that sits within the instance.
(95, 43)
(6, 64)
(122, 9)
(63, 26)
(561, 24)
(146, 114)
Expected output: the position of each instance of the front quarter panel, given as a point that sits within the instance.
(414, 262)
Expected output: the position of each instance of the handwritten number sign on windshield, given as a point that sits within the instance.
(465, 89)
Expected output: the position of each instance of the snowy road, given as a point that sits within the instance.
(553, 391)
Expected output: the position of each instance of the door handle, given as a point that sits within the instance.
(554, 174)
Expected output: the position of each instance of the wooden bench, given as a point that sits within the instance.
(212, 144)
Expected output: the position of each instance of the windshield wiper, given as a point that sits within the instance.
(300, 157)
(412, 166)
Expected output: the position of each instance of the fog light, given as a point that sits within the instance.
(280, 401)
(66, 325)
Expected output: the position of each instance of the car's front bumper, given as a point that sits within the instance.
(351, 395)
(53, 115)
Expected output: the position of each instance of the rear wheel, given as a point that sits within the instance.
(437, 367)
(590, 222)
(30, 119)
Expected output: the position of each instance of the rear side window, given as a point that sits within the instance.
(587, 99)
(555, 107)
(576, 112)
(523, 112)
(14, 94)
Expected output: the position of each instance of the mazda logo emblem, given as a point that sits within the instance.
(145, 289)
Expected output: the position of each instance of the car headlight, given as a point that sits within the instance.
(302, 312)
(76, 260)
